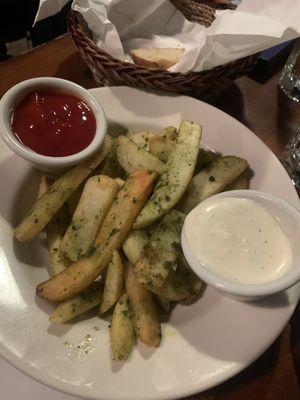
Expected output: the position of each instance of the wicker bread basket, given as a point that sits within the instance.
(109, 71)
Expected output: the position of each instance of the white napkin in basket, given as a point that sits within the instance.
(119, 26)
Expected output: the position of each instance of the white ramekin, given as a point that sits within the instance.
(289, 220)
(46, 163)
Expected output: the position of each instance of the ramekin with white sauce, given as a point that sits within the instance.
(244, 243)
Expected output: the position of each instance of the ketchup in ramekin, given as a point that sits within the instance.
(53, 123)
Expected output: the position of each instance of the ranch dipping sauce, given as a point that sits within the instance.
(239, 240)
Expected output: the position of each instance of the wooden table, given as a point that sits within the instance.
(275, 375)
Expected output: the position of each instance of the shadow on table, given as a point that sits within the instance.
(295, 340)
(232, 102)
(66, 70)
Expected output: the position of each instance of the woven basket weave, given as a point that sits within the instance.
(109, 71)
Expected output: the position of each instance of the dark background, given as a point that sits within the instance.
(16, 19)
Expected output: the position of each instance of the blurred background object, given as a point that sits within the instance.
(290, 78)
(291, 158)
(270, 61)
(16, 31)
(289, 84)
(18, 35)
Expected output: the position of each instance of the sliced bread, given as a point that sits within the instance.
(162, 58)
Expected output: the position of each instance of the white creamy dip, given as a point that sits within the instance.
(238, 239)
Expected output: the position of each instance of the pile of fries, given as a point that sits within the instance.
(113, 226)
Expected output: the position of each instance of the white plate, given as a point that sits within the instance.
(202, 345)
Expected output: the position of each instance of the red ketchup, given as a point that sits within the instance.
(53, 124)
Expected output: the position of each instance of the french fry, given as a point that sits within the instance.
(134, 244)
(73, 200)
(96, 198)
(211, 180)
(115, 228)
(160, 254)
(205, 157)
(110, 166)
(169, 132)
(151, 228)
(141, 139)
(48, 205)
(241, 182)
(176, 286)
(111, 214)
(120, 182)
(192, 282)
(78, 304)
(122, 335)
(194, 294)
(55, 230)
(162, 144)
(164, 303)
(131, 198)
(145, 317)
(173, 183)
(43, 186)
(161, 147)
(132, 158)
(113, 283)
(181, 284)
